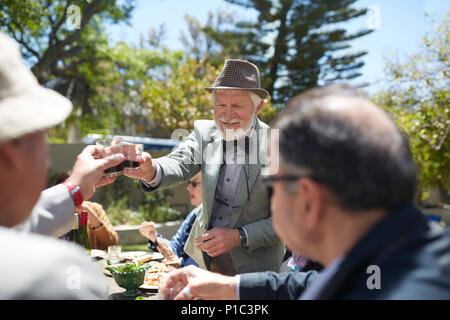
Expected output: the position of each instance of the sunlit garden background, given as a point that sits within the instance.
(150, 87)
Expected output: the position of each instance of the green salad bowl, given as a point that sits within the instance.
(129, 278)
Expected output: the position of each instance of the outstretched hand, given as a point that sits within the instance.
(147, 169)
(87, 171)
(192, 282)
(166, 250)
(148, 230)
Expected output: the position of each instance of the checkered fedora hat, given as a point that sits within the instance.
(239, 75)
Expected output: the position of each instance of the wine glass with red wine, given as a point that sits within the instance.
(133, 154)
(111, 146)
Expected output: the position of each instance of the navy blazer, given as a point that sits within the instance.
(413, 256)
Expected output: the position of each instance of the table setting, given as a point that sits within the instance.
(132, 275)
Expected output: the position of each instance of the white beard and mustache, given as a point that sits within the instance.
(234, 134)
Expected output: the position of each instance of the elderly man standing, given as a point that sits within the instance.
(343, 196)
(234, 233)
(36, 266)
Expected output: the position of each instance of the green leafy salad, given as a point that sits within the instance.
(128, 267)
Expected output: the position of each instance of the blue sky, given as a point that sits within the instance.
(402, 24)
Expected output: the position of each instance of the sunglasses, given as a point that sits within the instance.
(268, 181)
(194, 184)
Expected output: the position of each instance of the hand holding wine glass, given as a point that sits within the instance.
(88, 173)
(147, 169)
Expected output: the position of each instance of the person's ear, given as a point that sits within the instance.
(10, 156)
(258, 109)
(312, 203)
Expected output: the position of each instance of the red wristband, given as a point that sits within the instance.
(75, 192)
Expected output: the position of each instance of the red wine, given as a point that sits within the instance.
(130, 164)
(114, 171)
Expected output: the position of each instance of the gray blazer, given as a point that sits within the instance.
(202, 151)
(53, 213)
(41, 267)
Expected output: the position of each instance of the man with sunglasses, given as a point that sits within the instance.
(234, 232)
(343, 196)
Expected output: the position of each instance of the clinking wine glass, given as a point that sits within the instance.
(111, 146)
(133, 154)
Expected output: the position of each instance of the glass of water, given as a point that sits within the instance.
(114, 254)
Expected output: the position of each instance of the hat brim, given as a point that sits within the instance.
(36, 109)
(263, 94)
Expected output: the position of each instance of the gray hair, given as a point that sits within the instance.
(253, 96)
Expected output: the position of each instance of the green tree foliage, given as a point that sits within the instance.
(177, 98)
(49, 33)
(118, 81)
(199, 44)
(297, 43)
(66, 46)
(418, 100)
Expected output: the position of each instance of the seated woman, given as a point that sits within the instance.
(173, 248)
(100, 230)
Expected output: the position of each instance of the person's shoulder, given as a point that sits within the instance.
(421, 270)
(36, 261)
(205, 124)
(261, 125)
(196, 210)
(205, 129)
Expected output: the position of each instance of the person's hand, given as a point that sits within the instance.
(148, 230)
(87, 171)
(218, 241)
(166, 250)
(192, 282)
(147, 169)
(94, 220)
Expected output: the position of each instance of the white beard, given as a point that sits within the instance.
(234, 134)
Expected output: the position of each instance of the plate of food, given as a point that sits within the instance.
(141, 256)
(151, 281)
(131, 255)
(152, 275)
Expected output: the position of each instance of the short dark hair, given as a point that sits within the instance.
(361, 172)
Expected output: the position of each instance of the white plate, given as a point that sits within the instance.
(130, 255)
(97, 253)
(157, 256)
